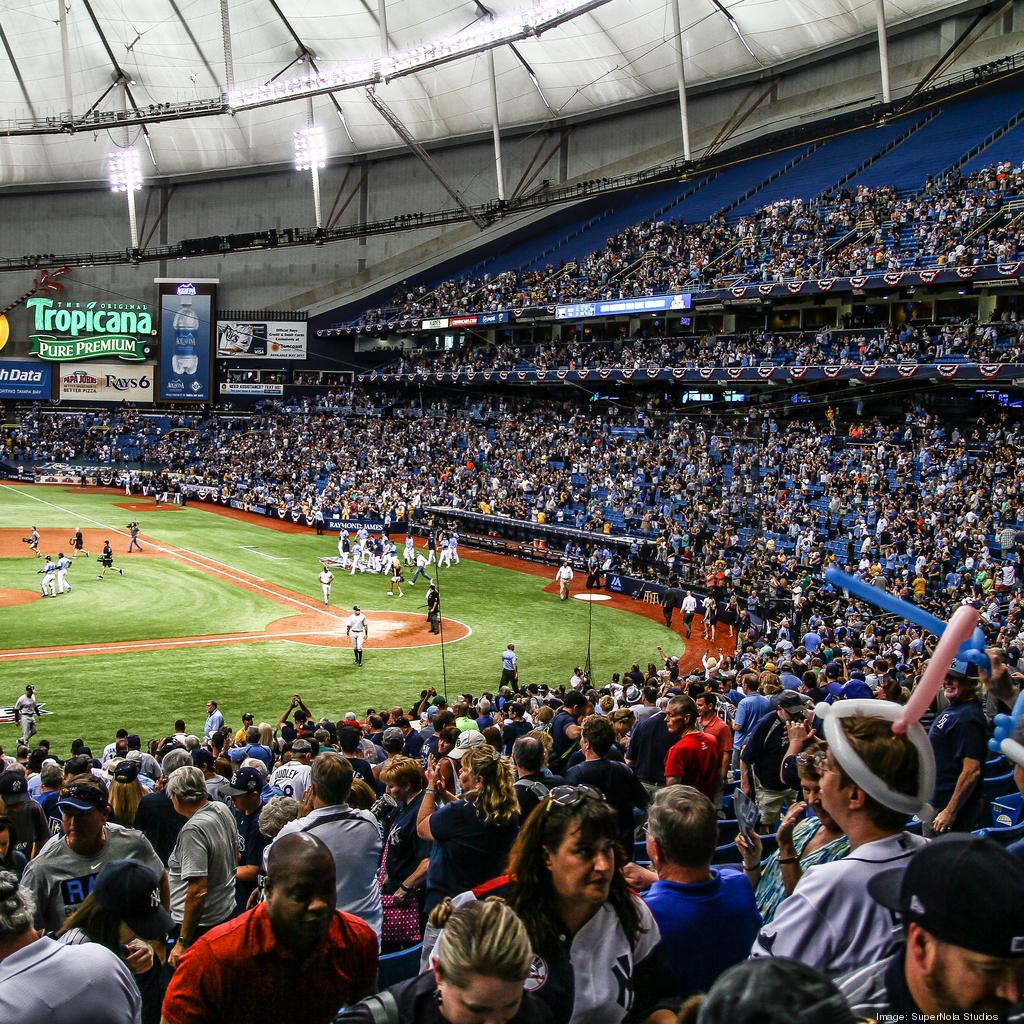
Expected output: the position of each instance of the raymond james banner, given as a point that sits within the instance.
(67, 331)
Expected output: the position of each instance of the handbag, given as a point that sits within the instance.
(401, 920)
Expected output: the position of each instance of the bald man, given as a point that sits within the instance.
(248, 967)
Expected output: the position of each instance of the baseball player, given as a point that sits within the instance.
(358, 628)
(396, 577)
(453, 546)
(431, 549)
(357, 557)
(344, 548)
(63, 564)
(78, 544)
(564, 578)
(33, 542)
(446, 553)
(133, 529)
(410, 550)
(326, 579)
(26, 711)
(48, 584)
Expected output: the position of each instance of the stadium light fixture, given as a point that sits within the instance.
(311, 155)
(125, 172)
(478, 38)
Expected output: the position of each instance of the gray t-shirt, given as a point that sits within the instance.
(207, 847)
(61, 879)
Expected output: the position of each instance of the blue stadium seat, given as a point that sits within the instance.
(400, 966)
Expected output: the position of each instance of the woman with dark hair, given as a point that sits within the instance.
(594, 940)
(124, 913)
(10, 858)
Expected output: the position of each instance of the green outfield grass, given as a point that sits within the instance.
(91, 696)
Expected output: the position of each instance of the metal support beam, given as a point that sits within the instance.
(403, 133)
(964, 41)
(225, 32)
(382, 24)
(195, 43)
(684, 117)
(738, 117)
(496, 126)
(17, 72)
(65, 54)
(883, 51)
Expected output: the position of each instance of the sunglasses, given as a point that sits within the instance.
(572, 796)
(80, 792)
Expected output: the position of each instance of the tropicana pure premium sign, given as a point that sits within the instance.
(68, 331)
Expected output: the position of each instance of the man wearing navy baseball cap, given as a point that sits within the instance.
(961, 900)
(959, 737)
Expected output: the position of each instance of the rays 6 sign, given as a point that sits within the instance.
(106, 382)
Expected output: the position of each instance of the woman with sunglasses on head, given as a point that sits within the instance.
(594, 940)
(803, 842)
(472, 836)
(475, 976)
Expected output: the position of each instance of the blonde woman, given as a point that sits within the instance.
(483, 957)
(125, 792)
(471, 836)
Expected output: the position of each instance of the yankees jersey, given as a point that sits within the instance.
(829, 922)
(597, 977)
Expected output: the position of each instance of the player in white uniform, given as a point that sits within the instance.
(445, 558)
(48, 584)
(63, 564)
(326, 579)
(358, 629)
(410, 550)
(453, 547)
(342, 548)
(357, 558)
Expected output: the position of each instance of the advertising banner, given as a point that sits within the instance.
(106, 382)
(25, 380)
(260, 339)
(618, 307)
(187, 312)
(252, 389)
(470, 320)
(438, 323)
(70, 330)
(493, 318)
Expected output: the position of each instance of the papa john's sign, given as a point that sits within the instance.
(66, 331)
(106, 382)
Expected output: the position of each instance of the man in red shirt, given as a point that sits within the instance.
(694, 760)
(248, 968)
(712, 725)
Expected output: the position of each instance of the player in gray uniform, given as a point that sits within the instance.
(26, 711)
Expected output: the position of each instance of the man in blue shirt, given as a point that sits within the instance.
(214, 720)
(649, 744)
(707, 917)
(811, 641)
(751, 709)
(959, 737)
(509, 666)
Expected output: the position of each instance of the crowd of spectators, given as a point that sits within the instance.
(952, 221)
(910, 343)
(554, 852)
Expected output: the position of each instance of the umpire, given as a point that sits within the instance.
(433, 609)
